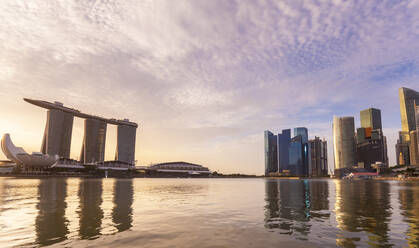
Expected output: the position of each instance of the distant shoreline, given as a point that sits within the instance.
(31, 176)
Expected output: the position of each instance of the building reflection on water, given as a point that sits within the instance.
(291, 204)
(90, 215)
(123, 199)
(409, 205)
(51, 223)
(363, 208)
(361, 213)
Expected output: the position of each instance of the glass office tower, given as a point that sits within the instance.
(407, 108)
(408, 98)
(284, 140)
(288, 156)
(414, 147)
(271, 155)
(344, 142)
(371, 145)
(303, 132)
(371, 118)
(402, 149)
(318, 150)
(296, 161)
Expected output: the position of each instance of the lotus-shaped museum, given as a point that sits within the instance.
(22, 158)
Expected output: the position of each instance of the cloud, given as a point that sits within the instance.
(229, 68)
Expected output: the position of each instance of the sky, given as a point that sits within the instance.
(204, 79)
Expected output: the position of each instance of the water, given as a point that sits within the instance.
(142, 212)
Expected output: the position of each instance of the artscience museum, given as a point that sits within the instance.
(36, 160)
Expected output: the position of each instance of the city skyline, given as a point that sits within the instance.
(206, 79)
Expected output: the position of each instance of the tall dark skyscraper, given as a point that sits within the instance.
(303, 132)
(414, 147)
(296, 165)
(408, 100)
(286, 156)
(371, 145)
(318, 154)
(271, 153)
(284, 140)
(402, 149)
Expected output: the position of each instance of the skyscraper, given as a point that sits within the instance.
(371, 118)
(413, 147)
(414, 139)
(371, 143)
(58, 131)
(408, 98)
(407, 108)
(318, 154)
(296, 164)
(271, 155)
(93, 148)
(402, 149)
(344, 142)
(417, 114)
(303, 132)
(283, 144)
(286, 156)
(125, 143)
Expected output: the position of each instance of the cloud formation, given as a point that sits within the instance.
(205, 78)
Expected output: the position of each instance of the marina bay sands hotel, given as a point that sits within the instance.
(59, 127)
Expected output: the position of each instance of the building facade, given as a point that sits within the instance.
(344, 142)
(417, 114)
(371, 144)
(125, 144)
(318, 155)
(57, 134)
(414, 147)
(371, 118)
(408, 100)
(271, 153)
(407, 108)
(296, 165)
(93, 148)
(303, 132)
(287, 156)
(402, 153)
(284, 140)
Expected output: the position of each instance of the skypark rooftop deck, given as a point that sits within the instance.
(78, 113)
